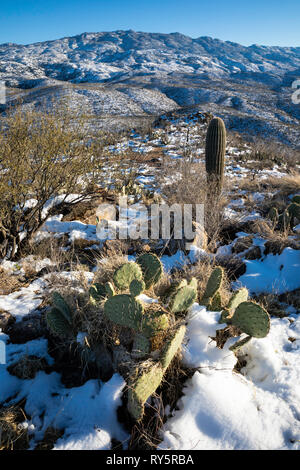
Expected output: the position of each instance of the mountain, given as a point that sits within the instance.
(134, 74)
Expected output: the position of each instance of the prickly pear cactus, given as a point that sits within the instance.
(125, 274)
(109, 289)
(172, 347)
(215, 304)
(171, 290)
(97, 293)
(151, 267)
(182, 299)
(148, 376)
(146, 380)
(136, 287)
(225, 314)
(154, 323)
(124, 310)
(58, 324)
(141, 346)
(215, 151)
(60, 304)
(239, 344)
(237, 298)
(213, 285)
(59, 318)
(252, 319)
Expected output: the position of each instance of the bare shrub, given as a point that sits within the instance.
(43, 155)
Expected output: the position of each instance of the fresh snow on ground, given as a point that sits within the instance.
(273, 273)
(222, 409)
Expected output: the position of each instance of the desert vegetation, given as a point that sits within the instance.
(135, 325)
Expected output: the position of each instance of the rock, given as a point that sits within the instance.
(33, 326)
(6, 320)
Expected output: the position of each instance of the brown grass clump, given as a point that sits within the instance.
(27, 367)
(10, 283)
(12, 435)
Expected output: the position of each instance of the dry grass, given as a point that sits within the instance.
(271, 153)
(277, 240)
(12, 435)
(286, 185)
(10, 283)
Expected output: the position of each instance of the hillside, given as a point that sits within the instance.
(140, 75)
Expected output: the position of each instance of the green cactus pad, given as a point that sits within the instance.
(182, 299)
(237, 298)
(97, 293)
(109, 289)
(58, 324)
(252, 319)
(61, 305)
(136, 287)
(154, 323)
(124, 310)
(127, 273)
(142, 386)
(141, 346)
(151, 267)
(239, 344)
(215, 304)
(170, 291)
(213, 285)
(224, 316)
(172, 347)
(193, 284)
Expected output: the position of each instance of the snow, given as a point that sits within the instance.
(87, 413)
(23, 301)
(273, 273)
(221, 409)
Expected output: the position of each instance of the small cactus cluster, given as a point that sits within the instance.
(215, 152)
(288, 217)
(155, 328)
(249, 317)
(127, 310)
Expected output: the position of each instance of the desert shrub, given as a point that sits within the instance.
(44, 158)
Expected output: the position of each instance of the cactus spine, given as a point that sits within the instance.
(215, 152)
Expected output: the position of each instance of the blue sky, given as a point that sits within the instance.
(269, 22)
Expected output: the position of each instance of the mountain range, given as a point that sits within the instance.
(135, 75)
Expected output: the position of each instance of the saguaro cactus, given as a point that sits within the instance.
(215, 151)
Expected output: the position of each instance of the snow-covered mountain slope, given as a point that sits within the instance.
(124, 54)
(128, 73)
